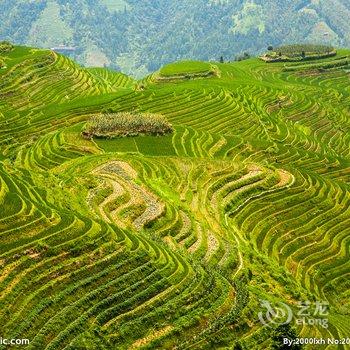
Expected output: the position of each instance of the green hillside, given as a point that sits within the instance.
(173, 241)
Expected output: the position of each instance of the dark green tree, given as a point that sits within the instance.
(237, 346)
(284, 331)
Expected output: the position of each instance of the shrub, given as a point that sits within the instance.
(126, 124)
(242, 57)
(5, 47)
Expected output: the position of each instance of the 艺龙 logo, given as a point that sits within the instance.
(277, 314)
(308, 314)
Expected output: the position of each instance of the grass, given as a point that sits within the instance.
(185, 68)
(171, 241)
(147, 145)
(124, 144)
(160, 146)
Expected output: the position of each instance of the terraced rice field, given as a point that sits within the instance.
(171, 242)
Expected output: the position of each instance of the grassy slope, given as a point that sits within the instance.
(162, 242)
(185, 67)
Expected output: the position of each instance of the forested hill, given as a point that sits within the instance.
(139, 36)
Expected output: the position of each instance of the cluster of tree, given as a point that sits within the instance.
(240, 57)
(123, 124)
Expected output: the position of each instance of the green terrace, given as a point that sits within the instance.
(170, 240)
(291, 53)
(186, 70)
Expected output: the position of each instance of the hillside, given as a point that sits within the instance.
(174, 241)
(138, 37)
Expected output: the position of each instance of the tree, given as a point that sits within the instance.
(242, 57)
(221, 59)
(284, 331)
(238, 346)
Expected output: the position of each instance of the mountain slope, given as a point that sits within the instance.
(140, 36)
(172, 242)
